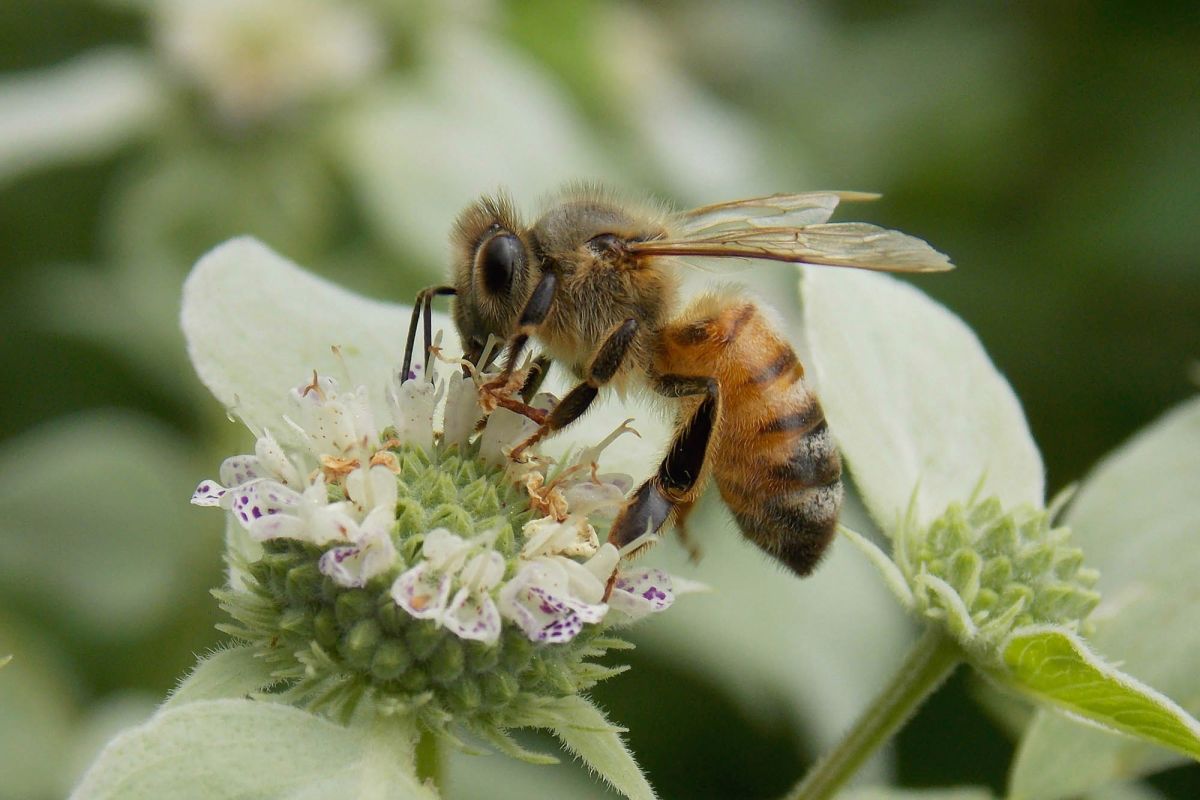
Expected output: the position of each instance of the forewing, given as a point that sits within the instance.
(839, 244)
(773, 211)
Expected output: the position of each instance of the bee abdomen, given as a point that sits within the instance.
(790, 506)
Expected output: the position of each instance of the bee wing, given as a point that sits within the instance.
(838, 244)
(772, 211)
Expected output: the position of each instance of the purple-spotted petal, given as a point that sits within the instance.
(259, 499)
(473, 615)
(237, 470)
(642, 592)
(208, 493)
(354, 565)
(422, 592)
(537, 601)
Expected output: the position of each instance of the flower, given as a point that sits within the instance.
(394, 554)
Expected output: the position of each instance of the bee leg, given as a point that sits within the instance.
(422, 307)
(681, 514)
(537, 374)
(534, 314)
(604, 365)
(673, 488)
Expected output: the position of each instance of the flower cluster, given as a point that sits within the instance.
(986, 571)
(427, 569)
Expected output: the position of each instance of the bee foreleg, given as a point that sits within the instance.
(672, 490)
(422, 307)
(604, 366)
(534, 314)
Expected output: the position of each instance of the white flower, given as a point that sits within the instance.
(411, 403)
(472, 614)
(538, 599)
(373, 552)
(424, 590)
(332, 422)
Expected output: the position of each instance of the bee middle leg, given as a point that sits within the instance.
(672, 490)
(605, 363)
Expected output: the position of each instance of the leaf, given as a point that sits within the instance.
(249, 749)
(82, 109)
(912, 398)
(230, 673)
(95, 526)
(1136, 519)
(1056, 667)
(257, 325)
(586, 732)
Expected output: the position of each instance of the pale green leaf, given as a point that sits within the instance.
(498, 778)
(257, 325)
(81, 109)
(912, 398)
(100, 722)
(893, 793)
(1056, 667)
(247, 749)
(95, 526)
(586, 733)
(1136, 518)
(1124, 791)
(230, 673)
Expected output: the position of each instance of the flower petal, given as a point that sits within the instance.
(208, 493)
(422, 591)
(259, 499)
(912, 398)
(237, 470)
(473, 615)
(256, 324)
(536, 600)
(641, 592)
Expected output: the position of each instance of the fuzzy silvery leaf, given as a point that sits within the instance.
(586, 732)
(912, 398)
(892, 793)
(229, 673)
(1136, 518)
(82, 109)
(244, 748)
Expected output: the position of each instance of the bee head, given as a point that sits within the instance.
(492, 272)
(587, 225)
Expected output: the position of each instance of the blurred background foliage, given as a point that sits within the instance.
(1050, 148)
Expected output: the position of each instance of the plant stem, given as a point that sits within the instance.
(429, 759)
(929, 662)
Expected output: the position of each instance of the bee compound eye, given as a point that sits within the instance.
(500, 258)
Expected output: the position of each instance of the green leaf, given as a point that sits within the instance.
(1056, 667)
(231, 673)
(95, 526)
(586, 732)
(912, 398)
(1136, 519)
(249, 749)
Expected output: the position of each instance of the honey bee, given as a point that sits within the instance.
(595, 281)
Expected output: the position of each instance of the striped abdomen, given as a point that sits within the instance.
(772, 457)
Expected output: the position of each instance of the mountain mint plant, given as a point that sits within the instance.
(396, 581)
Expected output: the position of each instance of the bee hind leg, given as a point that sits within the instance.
(672, 490)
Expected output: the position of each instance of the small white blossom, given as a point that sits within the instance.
(538, 599)
(370, 488)
(332, 422)
(472, 614)
(373, 552)
(462, 410)
(424, 590)
(412, 403)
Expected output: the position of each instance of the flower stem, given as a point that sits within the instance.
(429, 759)
(929, 662)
